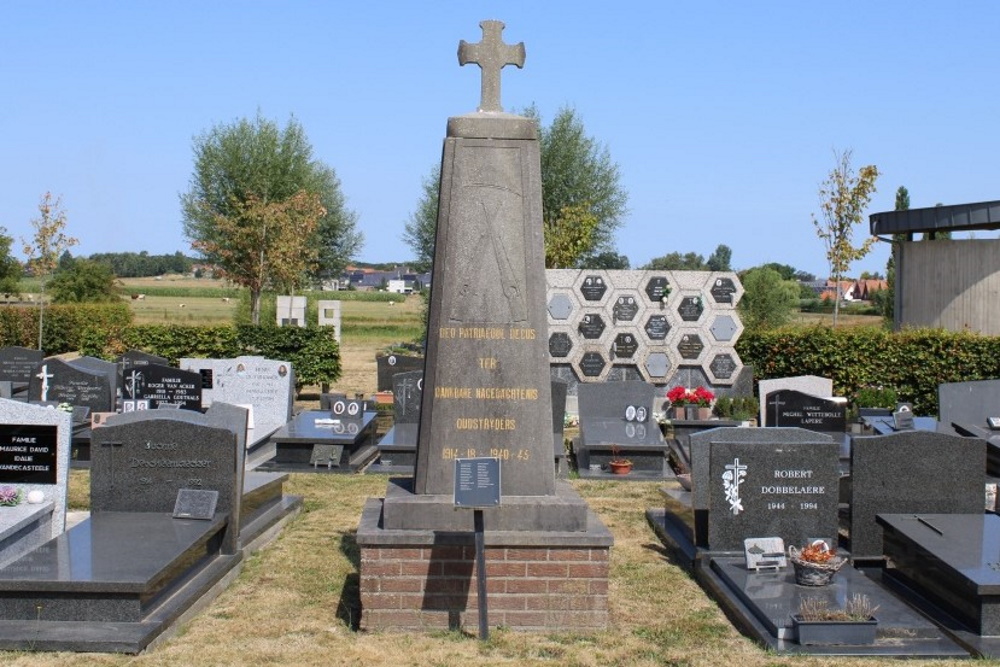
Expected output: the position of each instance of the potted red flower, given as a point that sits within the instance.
(678, 397)
(703, 399)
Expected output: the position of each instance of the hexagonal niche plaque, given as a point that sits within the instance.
(658, 288)
(624, 346)
(657, 365)
(625, 308)
(723, 290)
(560, 345)
(560, 307)
(690, 308)
(593, 288)
(724, 328)
(723, 366)
(591, 326)
(592, 364)
(657, 327)
(690, 346)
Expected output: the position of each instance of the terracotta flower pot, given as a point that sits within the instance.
(620, 467)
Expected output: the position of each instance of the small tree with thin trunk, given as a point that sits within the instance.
(843, 196)
(47, 246)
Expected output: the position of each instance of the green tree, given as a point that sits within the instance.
(10, 269)
(720, 259)
(885, 301)
(768, 299)
(608, 260)
(47, 246)
(843, 198)
(84, 281)
(249, 169)
(583, 202)
(675, 261)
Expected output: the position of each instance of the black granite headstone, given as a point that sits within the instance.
(789, 491)
(18, 363)
(134, 358)
(389, 364)
(912, 472)
(788, 407)
(407, 392)
(56, 381)
(151, 386)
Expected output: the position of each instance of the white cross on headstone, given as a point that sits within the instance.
(44, 376)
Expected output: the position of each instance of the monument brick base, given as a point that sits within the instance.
(536, 580)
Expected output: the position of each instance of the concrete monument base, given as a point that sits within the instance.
(536, 579)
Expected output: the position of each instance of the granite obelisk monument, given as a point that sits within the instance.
(487, 391)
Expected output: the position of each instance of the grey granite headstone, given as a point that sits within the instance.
(18, 363)
(407, 392)
(813, 385)
(56, 381)
(968, 403)
(140, 460)
(95, 365)
(788, 407)
(610, 400)
(701, 455)
(266, 384)
(912, 472)
(152, 386)
(36, 458)
(788, 490)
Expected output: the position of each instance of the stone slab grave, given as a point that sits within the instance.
(949, 566)
(120, 578)
(153, 386)
(911, 472)
(17, 364)
(813, 385)
(339, 439)
(388, 365)
(967, 408)
(34, 460)
(56, 381)
(267, 386)
(619, 415)
(398, 447)
(487, 394)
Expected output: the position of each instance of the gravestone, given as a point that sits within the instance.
(487, 392)
(18, 363)
(407, 393)
(911, 472)
(56, 381)
(968, 403)
(788, 407)
(267, 385)
(108, 368)
(290, 311)
(152, 386)
(701, 473)
(34, 456)
(789, 491)
(388, 365)
(616, 421)
(137, 358)
(559, 389)
(329, 315)
(813, 385)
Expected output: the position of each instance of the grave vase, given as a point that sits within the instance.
(691, 412)
(679, 412)
(825, 633)
(704, 413)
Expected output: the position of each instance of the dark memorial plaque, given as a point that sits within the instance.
(625, 309)
(794, 408)
(592, 364)
(723, 366)
(690, 308)
(28, 454)
(18, 363)
(591, 326)
(690, 346)
(477, 482)
(593, 288)
(723, 290)
(657, 288)
(152, 386)
(625, 346)
(196, 504)
(657, 327)
(560, 345)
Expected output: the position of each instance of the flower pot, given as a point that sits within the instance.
(704, 413)
(679, 412)
(620, 467)
(835, 632)
(808, 573)
(691, 412)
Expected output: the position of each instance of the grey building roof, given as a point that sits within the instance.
(959, 217)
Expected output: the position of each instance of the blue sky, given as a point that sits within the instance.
(722, 116)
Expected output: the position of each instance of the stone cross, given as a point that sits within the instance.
(44, 376)
(492, 55)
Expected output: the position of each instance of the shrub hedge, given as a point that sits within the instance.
(63, 325)
(313, 351)
(913, 362)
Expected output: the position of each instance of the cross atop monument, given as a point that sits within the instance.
(492, 55)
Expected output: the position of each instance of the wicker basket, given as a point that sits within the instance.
(808, 573)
